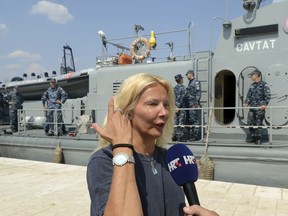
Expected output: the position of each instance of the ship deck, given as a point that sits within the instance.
(41, 188)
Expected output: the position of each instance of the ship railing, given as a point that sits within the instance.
(208, 120)
(167, 50)
(38, 119)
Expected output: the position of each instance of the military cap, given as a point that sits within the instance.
(52, 80)
(190, 71)
(255, 71)
(178, 77)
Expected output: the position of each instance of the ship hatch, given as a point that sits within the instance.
(224, 96)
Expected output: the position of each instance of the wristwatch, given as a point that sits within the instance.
(121, 159)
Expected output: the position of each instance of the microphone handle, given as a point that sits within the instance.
(191, 193)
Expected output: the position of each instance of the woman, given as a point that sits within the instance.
(129, 174)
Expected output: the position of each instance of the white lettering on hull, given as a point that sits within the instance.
(256, 45)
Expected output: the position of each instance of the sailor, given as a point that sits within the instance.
(258, 97)
(15, 101)
(4, 109)
(192, 100)
(1, 108)
(53, 99)
(180, 117)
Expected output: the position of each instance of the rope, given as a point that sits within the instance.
(208, 130)
(206, 166)
(58, 153)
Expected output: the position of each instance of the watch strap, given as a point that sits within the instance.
(131, 159)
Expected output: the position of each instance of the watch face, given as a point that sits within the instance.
(120, 159)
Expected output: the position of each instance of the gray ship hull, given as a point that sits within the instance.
(241, 163)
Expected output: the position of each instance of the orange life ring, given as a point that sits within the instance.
(144, 55)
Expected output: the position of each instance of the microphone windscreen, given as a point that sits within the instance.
(182, 164)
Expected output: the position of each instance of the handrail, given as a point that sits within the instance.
(230, 125)
(158, 33)
(156, 55)
(22, 114)
(40, 113)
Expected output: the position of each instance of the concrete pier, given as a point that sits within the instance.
(29, 188)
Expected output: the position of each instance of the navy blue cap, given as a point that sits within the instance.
(52, 80)
(178, 77)
(255, 71)
(190, 71)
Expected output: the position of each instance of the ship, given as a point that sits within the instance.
(257, 39)
(74, 82)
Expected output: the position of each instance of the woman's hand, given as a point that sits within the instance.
(198, 210)
(118, 128)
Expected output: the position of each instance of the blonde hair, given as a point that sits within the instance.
(129, 93)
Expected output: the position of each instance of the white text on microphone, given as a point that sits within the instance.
(174, 164)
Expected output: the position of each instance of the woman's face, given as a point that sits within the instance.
(151, 112)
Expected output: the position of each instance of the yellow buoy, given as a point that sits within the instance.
(152, 40)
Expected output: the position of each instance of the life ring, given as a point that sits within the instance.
(133, 46)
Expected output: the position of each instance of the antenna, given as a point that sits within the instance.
(227, 8)
(137, 28)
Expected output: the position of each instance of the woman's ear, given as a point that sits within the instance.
(130, 115)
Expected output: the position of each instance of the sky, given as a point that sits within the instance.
(32, 33)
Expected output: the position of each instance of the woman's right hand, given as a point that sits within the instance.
(118, 128)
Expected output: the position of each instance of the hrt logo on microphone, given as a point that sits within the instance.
(187, 159)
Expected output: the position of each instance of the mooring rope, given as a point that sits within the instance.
(206, 166)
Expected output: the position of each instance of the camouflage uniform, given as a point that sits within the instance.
(15, 101)
(4, 110)
(180, 117)
(193, 95)
(49, 98)
(1, 108)
(257, 95)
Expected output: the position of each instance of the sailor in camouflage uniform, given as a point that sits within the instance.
(15, 101)
(52, 99)
(193, 96)
(258, 96)
(180, 117)
(1, 108)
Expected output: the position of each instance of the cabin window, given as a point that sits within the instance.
(224, 97)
